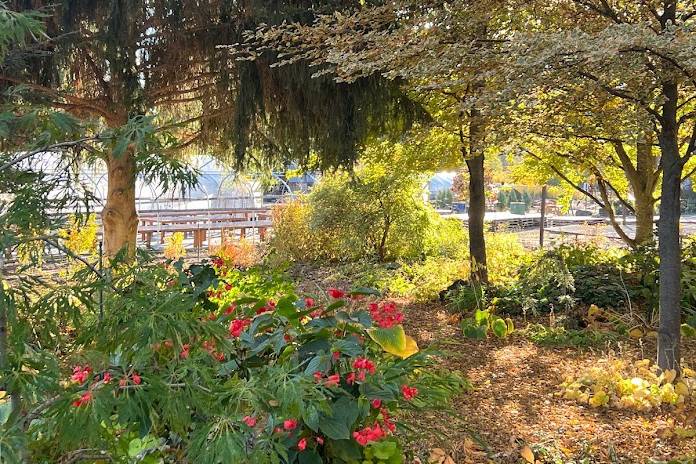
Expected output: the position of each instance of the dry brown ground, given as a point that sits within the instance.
(512, 402)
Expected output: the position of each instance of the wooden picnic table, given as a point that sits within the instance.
(200, 230)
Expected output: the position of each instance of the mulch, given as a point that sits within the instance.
(512, 403)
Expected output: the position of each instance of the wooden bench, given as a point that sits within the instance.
(200, 230)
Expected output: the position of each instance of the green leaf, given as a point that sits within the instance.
(309, 457)
(394, 341)
(499, 328)
(384, 449)
(334, 429)
(482, 317)
(473, 331)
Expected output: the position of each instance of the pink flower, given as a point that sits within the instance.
(290, 424)
(106, 378)
(332, 380)
(368, 434)
(409, 392)
(388, 422)
(230, 309)
(336, 355)
(320, 440)
(302, 444)
(250, 421)
(350, 378)
(123, 382)
(136, 379)
(309, 302)
(263, 309)
(237, 326)
(84, 399)
(385, 316)
(318, 376)
(80, 374)
(185, 351)
(376, 403)
(335, 293)
(364, 364)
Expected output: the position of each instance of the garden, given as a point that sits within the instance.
(352, 232)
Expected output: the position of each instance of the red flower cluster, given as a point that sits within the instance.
(302, 444)
(369, 434)
(363, 366)
(217, 262)
(335, 293)
(409, 392)
(389, 423)
(290, 424)
(309, 302)
(250, 421)
(269, 306)
(237, 326)
(185, 351)
(83, 400)
(386, 314)
(80, 374)
(330, 382)
(135, 378)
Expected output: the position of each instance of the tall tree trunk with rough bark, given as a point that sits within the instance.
(668, 340)
(477, 199)
(119, 217)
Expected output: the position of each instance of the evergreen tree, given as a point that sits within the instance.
(118, 61)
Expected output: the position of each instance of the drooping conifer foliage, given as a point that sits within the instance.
(122, 59)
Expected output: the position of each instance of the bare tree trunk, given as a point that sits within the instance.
(477, 212)
(119, 216)
(645, 216)
(668, 355)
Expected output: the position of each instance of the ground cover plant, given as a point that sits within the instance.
(209, 364)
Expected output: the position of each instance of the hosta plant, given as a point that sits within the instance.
(210, 364)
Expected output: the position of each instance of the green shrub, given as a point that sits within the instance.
(211, 364)
(373, 213)
(568, 338)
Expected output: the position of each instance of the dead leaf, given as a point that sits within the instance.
(527, 454)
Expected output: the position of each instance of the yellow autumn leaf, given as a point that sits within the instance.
(636, 332)
(593, 311)
(669, 375)
(681, 389)
(527, 454)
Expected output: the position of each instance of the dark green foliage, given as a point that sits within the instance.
(569, 338)
(116, 60)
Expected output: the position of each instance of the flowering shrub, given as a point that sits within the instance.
(631, 386)
(210, 364)
(242, 254)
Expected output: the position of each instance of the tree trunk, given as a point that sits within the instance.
(668, 339)
(645, 212)
(119, 217)
(477, 211)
